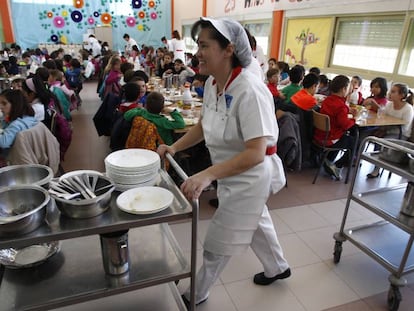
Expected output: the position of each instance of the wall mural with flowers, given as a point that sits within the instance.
(66, 22)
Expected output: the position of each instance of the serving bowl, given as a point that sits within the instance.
(26, 174)
(396, 156)
(22, 209)
(80, 207)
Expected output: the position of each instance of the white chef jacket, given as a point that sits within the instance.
(129, 44)
(178, 49)
(244, 111)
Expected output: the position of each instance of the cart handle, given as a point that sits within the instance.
(176, 167)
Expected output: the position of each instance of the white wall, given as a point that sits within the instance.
(186, 12)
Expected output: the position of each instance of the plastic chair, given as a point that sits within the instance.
(322, 123)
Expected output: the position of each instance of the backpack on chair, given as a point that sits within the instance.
(143, 134)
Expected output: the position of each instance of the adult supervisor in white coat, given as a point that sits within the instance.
(239, 126)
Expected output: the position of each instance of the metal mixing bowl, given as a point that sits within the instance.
(27, 174)
(22, 209)
(86, 208)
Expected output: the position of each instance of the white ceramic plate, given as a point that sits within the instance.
(168, 103)
(79, 172)
(145, 200)
(133, 158)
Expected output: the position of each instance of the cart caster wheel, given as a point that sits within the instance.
(394, 298)
(337, 251)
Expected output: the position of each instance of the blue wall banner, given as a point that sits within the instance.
(50, 21)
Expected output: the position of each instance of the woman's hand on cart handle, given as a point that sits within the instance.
(194, 185)
(163, 149)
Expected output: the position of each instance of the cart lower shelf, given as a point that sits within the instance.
(384, 242)
(76, 273)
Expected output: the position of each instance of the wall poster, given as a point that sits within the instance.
(306, 41)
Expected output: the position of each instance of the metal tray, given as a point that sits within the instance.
(29, 256)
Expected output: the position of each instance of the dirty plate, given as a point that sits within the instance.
(145, 200)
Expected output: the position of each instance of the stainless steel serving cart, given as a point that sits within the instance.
(76, 274)
(389, 240)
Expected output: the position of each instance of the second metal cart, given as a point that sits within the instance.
(389, 240)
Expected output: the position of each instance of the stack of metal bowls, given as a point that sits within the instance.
(29, 174)
(23, 206)
(22, 209)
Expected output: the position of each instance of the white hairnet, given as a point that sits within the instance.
(235, 33)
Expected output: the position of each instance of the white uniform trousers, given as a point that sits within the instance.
(265, 245)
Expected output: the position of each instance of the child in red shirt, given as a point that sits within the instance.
(272, 81)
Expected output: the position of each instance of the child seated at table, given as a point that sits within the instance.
(181, 70)
(272, 76)
(198, 84)
(378, 96)
(152, 113)
(131, 93)
(324, 83)
(304, 99)
(356, 82)
(400, 107)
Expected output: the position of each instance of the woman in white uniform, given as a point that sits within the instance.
(239, 126)
(178, 46)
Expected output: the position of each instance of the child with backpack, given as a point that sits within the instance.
(152, 113)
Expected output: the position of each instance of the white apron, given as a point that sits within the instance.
(237, 116)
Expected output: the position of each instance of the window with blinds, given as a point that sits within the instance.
(367, 43)
(407, 58)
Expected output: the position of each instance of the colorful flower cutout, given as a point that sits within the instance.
(106, 18)
(130, 21)
(136, 4)
(63, 39)
(64, 13)
(151, 4)
(154, 15)
(59, 22)
(54, 38)
(76, 16)
(91, 21)
(96, 14)
(140, 27)
(49, 14)
(78, 4)
(141, 14)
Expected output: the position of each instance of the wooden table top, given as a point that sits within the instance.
(385, 120)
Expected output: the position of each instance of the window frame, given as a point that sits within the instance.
(394, 76)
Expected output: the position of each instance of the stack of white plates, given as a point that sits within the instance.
(131, 168)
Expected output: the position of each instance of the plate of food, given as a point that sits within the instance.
(145, 200)
(168, 103)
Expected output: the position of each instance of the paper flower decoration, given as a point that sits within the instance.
(54, 38)
(141, 14)
(96, 14)
(151, 4)
(49, 14)
(76, 16)
(106, 18)
(154, 15)
(64, 13)
(78, 4)
(130, 21)
(59, 22)
(91, 21)
(136, 4)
